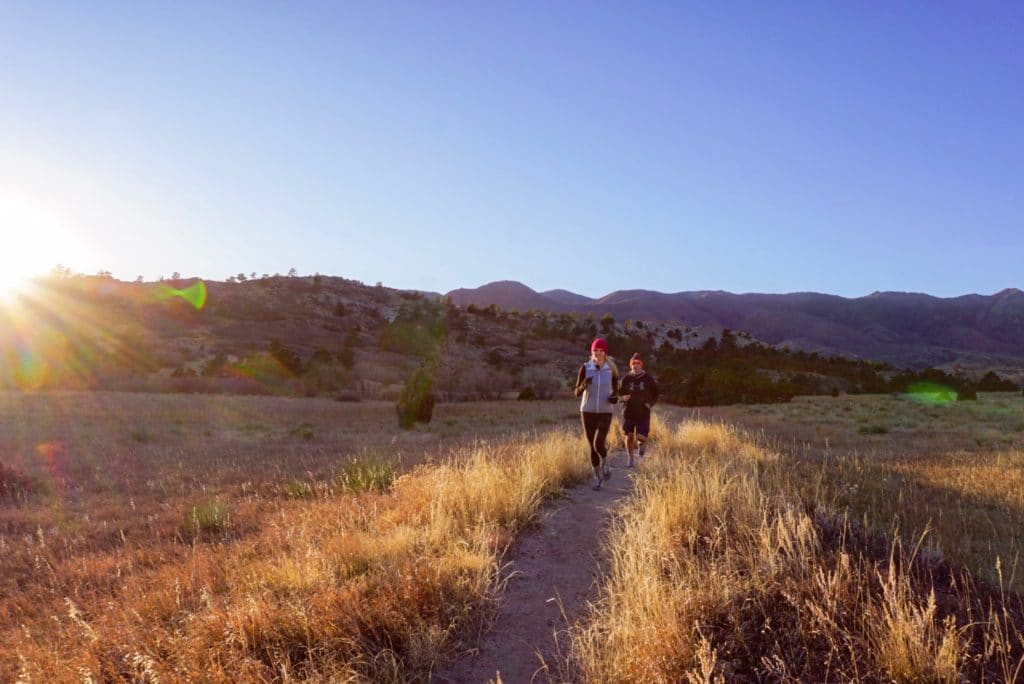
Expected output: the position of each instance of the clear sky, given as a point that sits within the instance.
(839, 147)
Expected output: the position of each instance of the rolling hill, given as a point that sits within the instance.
(905, 329)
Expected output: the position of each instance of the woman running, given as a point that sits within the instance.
(597, 383)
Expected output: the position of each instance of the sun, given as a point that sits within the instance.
(32, 241)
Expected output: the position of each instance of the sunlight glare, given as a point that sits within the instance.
(32, 241)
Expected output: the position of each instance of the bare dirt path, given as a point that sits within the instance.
(555, 566)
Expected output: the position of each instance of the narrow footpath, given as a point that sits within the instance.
(555, 566)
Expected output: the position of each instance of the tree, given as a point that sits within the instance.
(292, 272)
(322, 356)
(288, 359)
(993, 382)
(543, 382)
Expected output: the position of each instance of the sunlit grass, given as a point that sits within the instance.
(379, 585)
(153, 512)
(720, 570)
(231, 538)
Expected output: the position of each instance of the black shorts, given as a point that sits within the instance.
(641, 425)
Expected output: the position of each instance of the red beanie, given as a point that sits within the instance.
(599, 343)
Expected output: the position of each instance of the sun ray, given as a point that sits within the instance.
(32, 241)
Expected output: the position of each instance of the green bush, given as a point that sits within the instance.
(527, 394)
(367, 474)
(874, 429)
(299, 489)
(207, 518)
(416, 401)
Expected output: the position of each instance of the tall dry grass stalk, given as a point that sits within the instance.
(363, 587)
(716, 573)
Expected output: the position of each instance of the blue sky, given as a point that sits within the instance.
(750, 147)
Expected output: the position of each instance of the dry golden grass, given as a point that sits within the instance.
(952, 473)
(718, 572)
(374, 587)
(216, 540)
(151, 538)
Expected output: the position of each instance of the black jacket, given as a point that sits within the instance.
(643, 393)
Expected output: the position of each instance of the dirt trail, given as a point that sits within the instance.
(555, 565)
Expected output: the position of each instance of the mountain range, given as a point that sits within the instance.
(906, 329)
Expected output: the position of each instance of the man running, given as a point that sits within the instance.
(639, 391)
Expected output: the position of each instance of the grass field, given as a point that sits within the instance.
(126, 518)
(736, 562)
(953, 473)
(163, 536)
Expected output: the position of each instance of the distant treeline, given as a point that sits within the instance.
(726, 371)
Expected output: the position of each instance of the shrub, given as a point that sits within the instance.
(207, 518)
(304, 430)
(14, 484)
(286, 357)
(347, 357)
(416, 401)
(368, 474)
(348, 396)
(874, 429)
(299, 489)
(544, 380)
(527, 394)
(213, 367)
(967, 393)
(141, 435)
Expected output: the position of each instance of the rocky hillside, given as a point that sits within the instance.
(288, 335)
(328, 335)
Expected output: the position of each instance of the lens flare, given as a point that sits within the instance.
(29, 369)
(194, 294)
(53, 458)
(931, 393)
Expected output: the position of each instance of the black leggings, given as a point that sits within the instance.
(596, 426)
